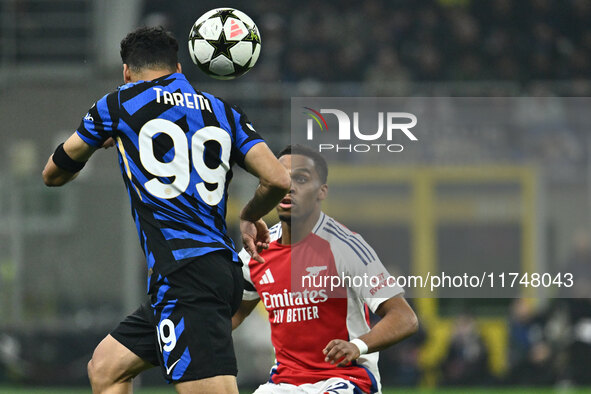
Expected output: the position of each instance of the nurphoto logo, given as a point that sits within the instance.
(390, 125)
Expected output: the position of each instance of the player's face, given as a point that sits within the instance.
(306, 192)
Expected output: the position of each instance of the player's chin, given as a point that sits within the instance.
(284, 216)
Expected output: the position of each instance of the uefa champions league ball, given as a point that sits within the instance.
(225, 43)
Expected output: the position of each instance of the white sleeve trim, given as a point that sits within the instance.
(374, 303)
(248, 295)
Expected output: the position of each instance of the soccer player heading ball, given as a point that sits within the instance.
(322, 339)
(176, 147)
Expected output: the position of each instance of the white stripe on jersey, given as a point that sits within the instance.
(267, 277)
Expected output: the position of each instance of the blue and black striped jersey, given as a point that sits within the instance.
(176, 149)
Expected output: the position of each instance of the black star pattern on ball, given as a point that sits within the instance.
(222, 46)
(224, 15)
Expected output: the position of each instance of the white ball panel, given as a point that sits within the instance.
(201, 51)
(221, 65)
(241, 52)
(211, 29)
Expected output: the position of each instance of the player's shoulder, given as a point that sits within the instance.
(107, 104)
(344, 241)
(332, 230)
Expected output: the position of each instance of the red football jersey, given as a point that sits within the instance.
(310, 301)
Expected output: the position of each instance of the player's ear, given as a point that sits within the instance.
(126, 73)
(323, 192)
(179, 68)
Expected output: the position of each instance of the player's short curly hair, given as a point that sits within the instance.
(150, 48)
(319, 162)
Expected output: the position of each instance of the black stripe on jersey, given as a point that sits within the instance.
(219, 225)
(191, 202)
(97, 120)
(243, 122)
(135, 215)
(164, 80)
(113, 108)
(235, 155)
(186, 243)
(82, 130)
(209, 118)
(185, 209)
(149, 111)
(212, 246)
(156, 243)
(249, 286)
(182, 123)
(217, 220)
(232, 122)
(252, 135)
(176, 225)
(183, 243)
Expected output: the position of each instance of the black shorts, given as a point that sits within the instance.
(186, 327)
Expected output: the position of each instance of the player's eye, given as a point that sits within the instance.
(300, 179)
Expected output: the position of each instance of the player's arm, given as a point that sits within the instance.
(397, 322)
(246, 307)
(274, 183)
(67, 161)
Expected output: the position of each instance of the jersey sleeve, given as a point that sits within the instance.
(245, 137)
(359, 260)
(249, 293)
(100, 121)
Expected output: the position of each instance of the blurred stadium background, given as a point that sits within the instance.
(70, 264)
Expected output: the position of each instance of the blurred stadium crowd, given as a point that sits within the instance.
(437, 40)
(381, 41)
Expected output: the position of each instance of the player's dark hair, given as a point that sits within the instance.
(319, 162)
(150, 48)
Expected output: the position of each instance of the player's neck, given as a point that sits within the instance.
(148, 75)
(294, 231)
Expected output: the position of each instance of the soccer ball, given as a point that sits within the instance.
(225, 43)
